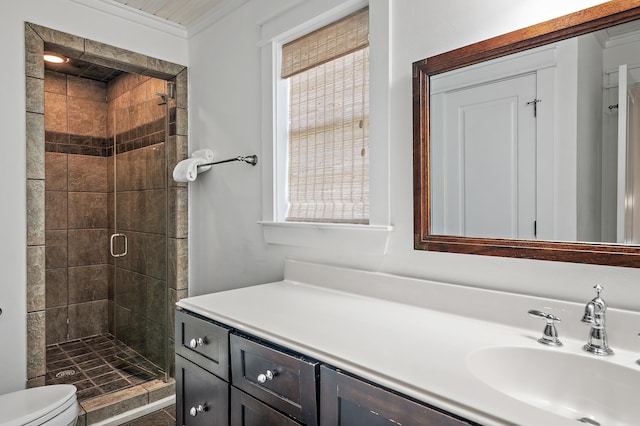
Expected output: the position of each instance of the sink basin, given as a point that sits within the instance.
(594, 391)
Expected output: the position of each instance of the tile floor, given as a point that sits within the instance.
(96, 367)
(164, 417)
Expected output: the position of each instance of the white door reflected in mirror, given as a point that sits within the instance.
(484, 159)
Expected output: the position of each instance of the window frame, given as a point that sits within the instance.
(277, 31)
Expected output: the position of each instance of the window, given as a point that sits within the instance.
(328, 114)
(362, 223)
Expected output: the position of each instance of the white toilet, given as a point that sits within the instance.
(54, 405)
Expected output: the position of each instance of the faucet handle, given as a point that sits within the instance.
(549, 317)
(550, 333)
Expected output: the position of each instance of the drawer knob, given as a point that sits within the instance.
(194, 343)
(194, 411)
(267, 375)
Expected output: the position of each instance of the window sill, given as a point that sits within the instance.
(365, 239)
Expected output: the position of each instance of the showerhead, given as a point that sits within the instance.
(164, 97)
(171, 93)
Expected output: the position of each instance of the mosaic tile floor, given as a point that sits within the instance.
(96, 367)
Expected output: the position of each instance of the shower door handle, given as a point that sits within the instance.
(112, 244)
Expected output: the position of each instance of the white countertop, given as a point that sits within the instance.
(417, 350)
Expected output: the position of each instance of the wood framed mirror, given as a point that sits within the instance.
(428, 232)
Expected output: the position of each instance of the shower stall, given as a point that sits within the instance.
(106, 213)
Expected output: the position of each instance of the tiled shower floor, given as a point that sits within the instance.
(92, 365)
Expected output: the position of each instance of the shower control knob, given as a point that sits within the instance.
(268, 375)
(194, 411)
(194, 343)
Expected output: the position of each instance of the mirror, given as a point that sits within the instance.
(522, 147)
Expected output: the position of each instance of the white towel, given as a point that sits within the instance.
(187, 170)
(205, 154)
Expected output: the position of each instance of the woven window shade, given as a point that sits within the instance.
(328, 154)
(326, 44)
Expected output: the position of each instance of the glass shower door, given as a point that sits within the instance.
(139, 240)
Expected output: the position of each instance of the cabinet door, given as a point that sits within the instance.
(347, 401)
(201, 397)
(248, 411)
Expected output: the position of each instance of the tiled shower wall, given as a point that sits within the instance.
(36, 38)
(78, 274)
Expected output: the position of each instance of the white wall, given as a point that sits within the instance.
(589, 146)
(227, 248)
(70, 17)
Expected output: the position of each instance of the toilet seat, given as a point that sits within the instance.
(35, 406)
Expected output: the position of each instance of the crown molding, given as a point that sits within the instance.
(134, 15)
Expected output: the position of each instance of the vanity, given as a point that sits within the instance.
(330, 345)
(271, 384)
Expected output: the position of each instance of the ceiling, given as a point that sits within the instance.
(182, 12)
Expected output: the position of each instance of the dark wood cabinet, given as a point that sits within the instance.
(224, 377)
(201, 397)
(248, 411)
(348, 401)
(202, 371)
(203, 342)
(284, 381)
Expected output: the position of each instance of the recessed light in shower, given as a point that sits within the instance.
(54, 58)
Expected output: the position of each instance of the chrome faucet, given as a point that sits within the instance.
(594, 314)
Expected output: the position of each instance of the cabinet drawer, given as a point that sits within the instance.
(248, 411)
(201, 397)
(203, 343)
(283, 381)
(348, 401)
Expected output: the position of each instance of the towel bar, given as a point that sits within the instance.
(249, 159)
